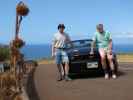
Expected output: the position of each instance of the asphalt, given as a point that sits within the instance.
(82, 88)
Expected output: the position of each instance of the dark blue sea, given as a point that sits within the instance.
(44, 51)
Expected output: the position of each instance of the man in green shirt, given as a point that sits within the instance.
(103, 41)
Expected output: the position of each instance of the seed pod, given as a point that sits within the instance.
(18, 43)
(22, 9)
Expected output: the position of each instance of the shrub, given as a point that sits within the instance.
(4, 53)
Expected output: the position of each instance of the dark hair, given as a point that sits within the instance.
(99, 25)
(61, 26)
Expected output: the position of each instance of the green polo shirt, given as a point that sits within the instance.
(102, 39)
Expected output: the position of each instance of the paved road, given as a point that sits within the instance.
(91, 88)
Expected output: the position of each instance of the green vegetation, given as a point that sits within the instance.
(4, 53)
(127, 57)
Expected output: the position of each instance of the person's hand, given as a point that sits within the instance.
(91, 52)
(110, 52)
(53, 55)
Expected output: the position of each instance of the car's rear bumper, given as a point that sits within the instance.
(81, 66)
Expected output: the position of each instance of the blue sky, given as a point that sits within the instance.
(79, 16)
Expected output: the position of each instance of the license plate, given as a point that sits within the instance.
(92, 65)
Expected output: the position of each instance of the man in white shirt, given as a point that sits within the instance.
(59, 52)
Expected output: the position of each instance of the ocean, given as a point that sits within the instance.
(44, 51)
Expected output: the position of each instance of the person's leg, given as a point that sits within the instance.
(63, 70)
(67, 78)
(103, 62)
(110, 59)
(66, 68)
(58, 62)
(66, 65)
(59, 72)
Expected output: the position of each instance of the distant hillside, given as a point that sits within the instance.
(4, 46)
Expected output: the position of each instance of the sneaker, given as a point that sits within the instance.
(106, 76)
(67, 78)
(59, 78)
(114, 76)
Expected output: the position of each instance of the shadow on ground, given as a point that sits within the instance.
(92, 75)
(30, 88)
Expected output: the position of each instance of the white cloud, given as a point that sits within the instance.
(123, 35)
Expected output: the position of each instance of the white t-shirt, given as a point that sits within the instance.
(60, 40)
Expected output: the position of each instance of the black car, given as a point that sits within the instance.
(80, 59)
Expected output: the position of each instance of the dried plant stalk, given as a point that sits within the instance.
(22, 9)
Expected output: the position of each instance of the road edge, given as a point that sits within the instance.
(30, 87)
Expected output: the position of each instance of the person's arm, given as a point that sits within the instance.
(69, 40)
(93, 44)
(53, 47)
(92, 47)
(110, 46)
(53, 51)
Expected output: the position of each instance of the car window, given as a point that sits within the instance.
(79, 43)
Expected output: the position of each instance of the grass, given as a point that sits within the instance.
(125, 57)
(46, 61)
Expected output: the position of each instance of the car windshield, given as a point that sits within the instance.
(79, 43)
